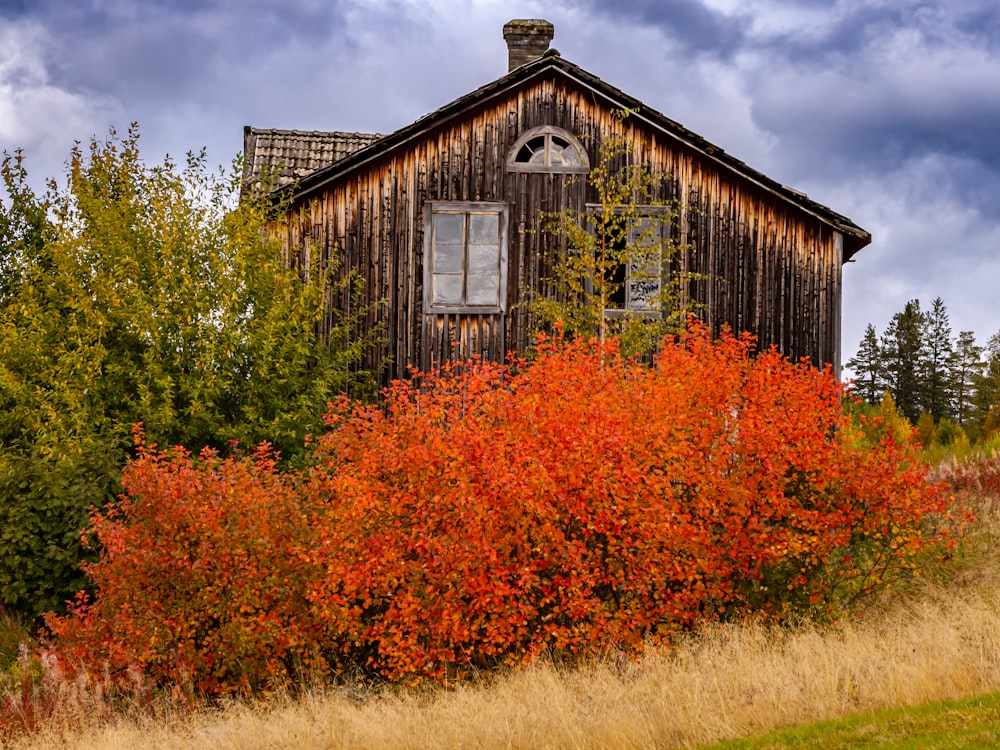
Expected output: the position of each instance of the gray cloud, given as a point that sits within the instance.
(691, 25)
(157, 48)
(844, 34)
(882, 86)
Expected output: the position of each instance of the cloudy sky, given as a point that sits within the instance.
(888, 111)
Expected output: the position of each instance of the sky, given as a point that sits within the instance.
(887, 111)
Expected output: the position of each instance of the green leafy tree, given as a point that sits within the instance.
(24, 226)
(946, 432)
(54, 459)
(615, 271)
(926, 429)
(876, 422)
(142, 293)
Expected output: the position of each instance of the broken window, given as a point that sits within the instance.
(633, 264)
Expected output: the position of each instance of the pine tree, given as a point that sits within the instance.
(987, 388)
(867, 364)
(904, 356)
(967, 370)
(938, 363)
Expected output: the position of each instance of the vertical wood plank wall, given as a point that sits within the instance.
(769, 267)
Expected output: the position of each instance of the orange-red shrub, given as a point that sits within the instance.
(490, 513)
(201, 578)
(586, 500)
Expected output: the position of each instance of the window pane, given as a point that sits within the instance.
(563, 153)
(484, 289)
(484, 259)
(644, 231)
(549, 150)
(448, 228)
(644, 265)
(570, 157)
(532, 152)
(466, 256)
(484, 228)
(447, 289)
(642, 294)
(447, 258)
(644, 281)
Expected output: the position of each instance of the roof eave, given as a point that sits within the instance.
(322, 177)
(855, 238)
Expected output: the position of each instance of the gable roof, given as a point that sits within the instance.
(550, 63)
(284, 156)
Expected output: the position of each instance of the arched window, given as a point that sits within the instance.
(548, 149)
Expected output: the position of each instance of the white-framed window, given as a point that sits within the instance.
(465, 261)
(548, 149)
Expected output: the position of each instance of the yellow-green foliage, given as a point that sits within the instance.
(631, 226)
(926, 429)
(140, 293)
(895, 423)
(13, 633)
(873, 424)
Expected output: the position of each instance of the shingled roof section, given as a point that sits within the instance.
(284, 156)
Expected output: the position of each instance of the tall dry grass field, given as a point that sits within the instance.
(939, 640)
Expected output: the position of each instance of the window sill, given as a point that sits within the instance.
(618, 313)
(466, 310)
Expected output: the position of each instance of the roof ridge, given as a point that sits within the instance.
(282, 157)
(615, 96)
(295, 131)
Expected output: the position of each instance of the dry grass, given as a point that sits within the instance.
(942, 641)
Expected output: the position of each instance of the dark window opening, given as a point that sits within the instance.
(633, 268)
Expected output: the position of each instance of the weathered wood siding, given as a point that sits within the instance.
(771, 268)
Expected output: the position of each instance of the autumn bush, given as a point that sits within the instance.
(199, 583)
(490, 513)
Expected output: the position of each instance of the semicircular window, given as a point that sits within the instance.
(548, 149)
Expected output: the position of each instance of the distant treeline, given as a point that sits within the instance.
(931, 374)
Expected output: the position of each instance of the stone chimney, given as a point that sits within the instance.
(527, 40)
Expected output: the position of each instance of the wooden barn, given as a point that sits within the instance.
(444, 218)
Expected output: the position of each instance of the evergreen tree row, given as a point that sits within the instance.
(927, 370)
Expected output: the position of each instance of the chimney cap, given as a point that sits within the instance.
(528, 26)
(527, 39)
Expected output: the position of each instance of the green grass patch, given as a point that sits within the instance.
(971, 723)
